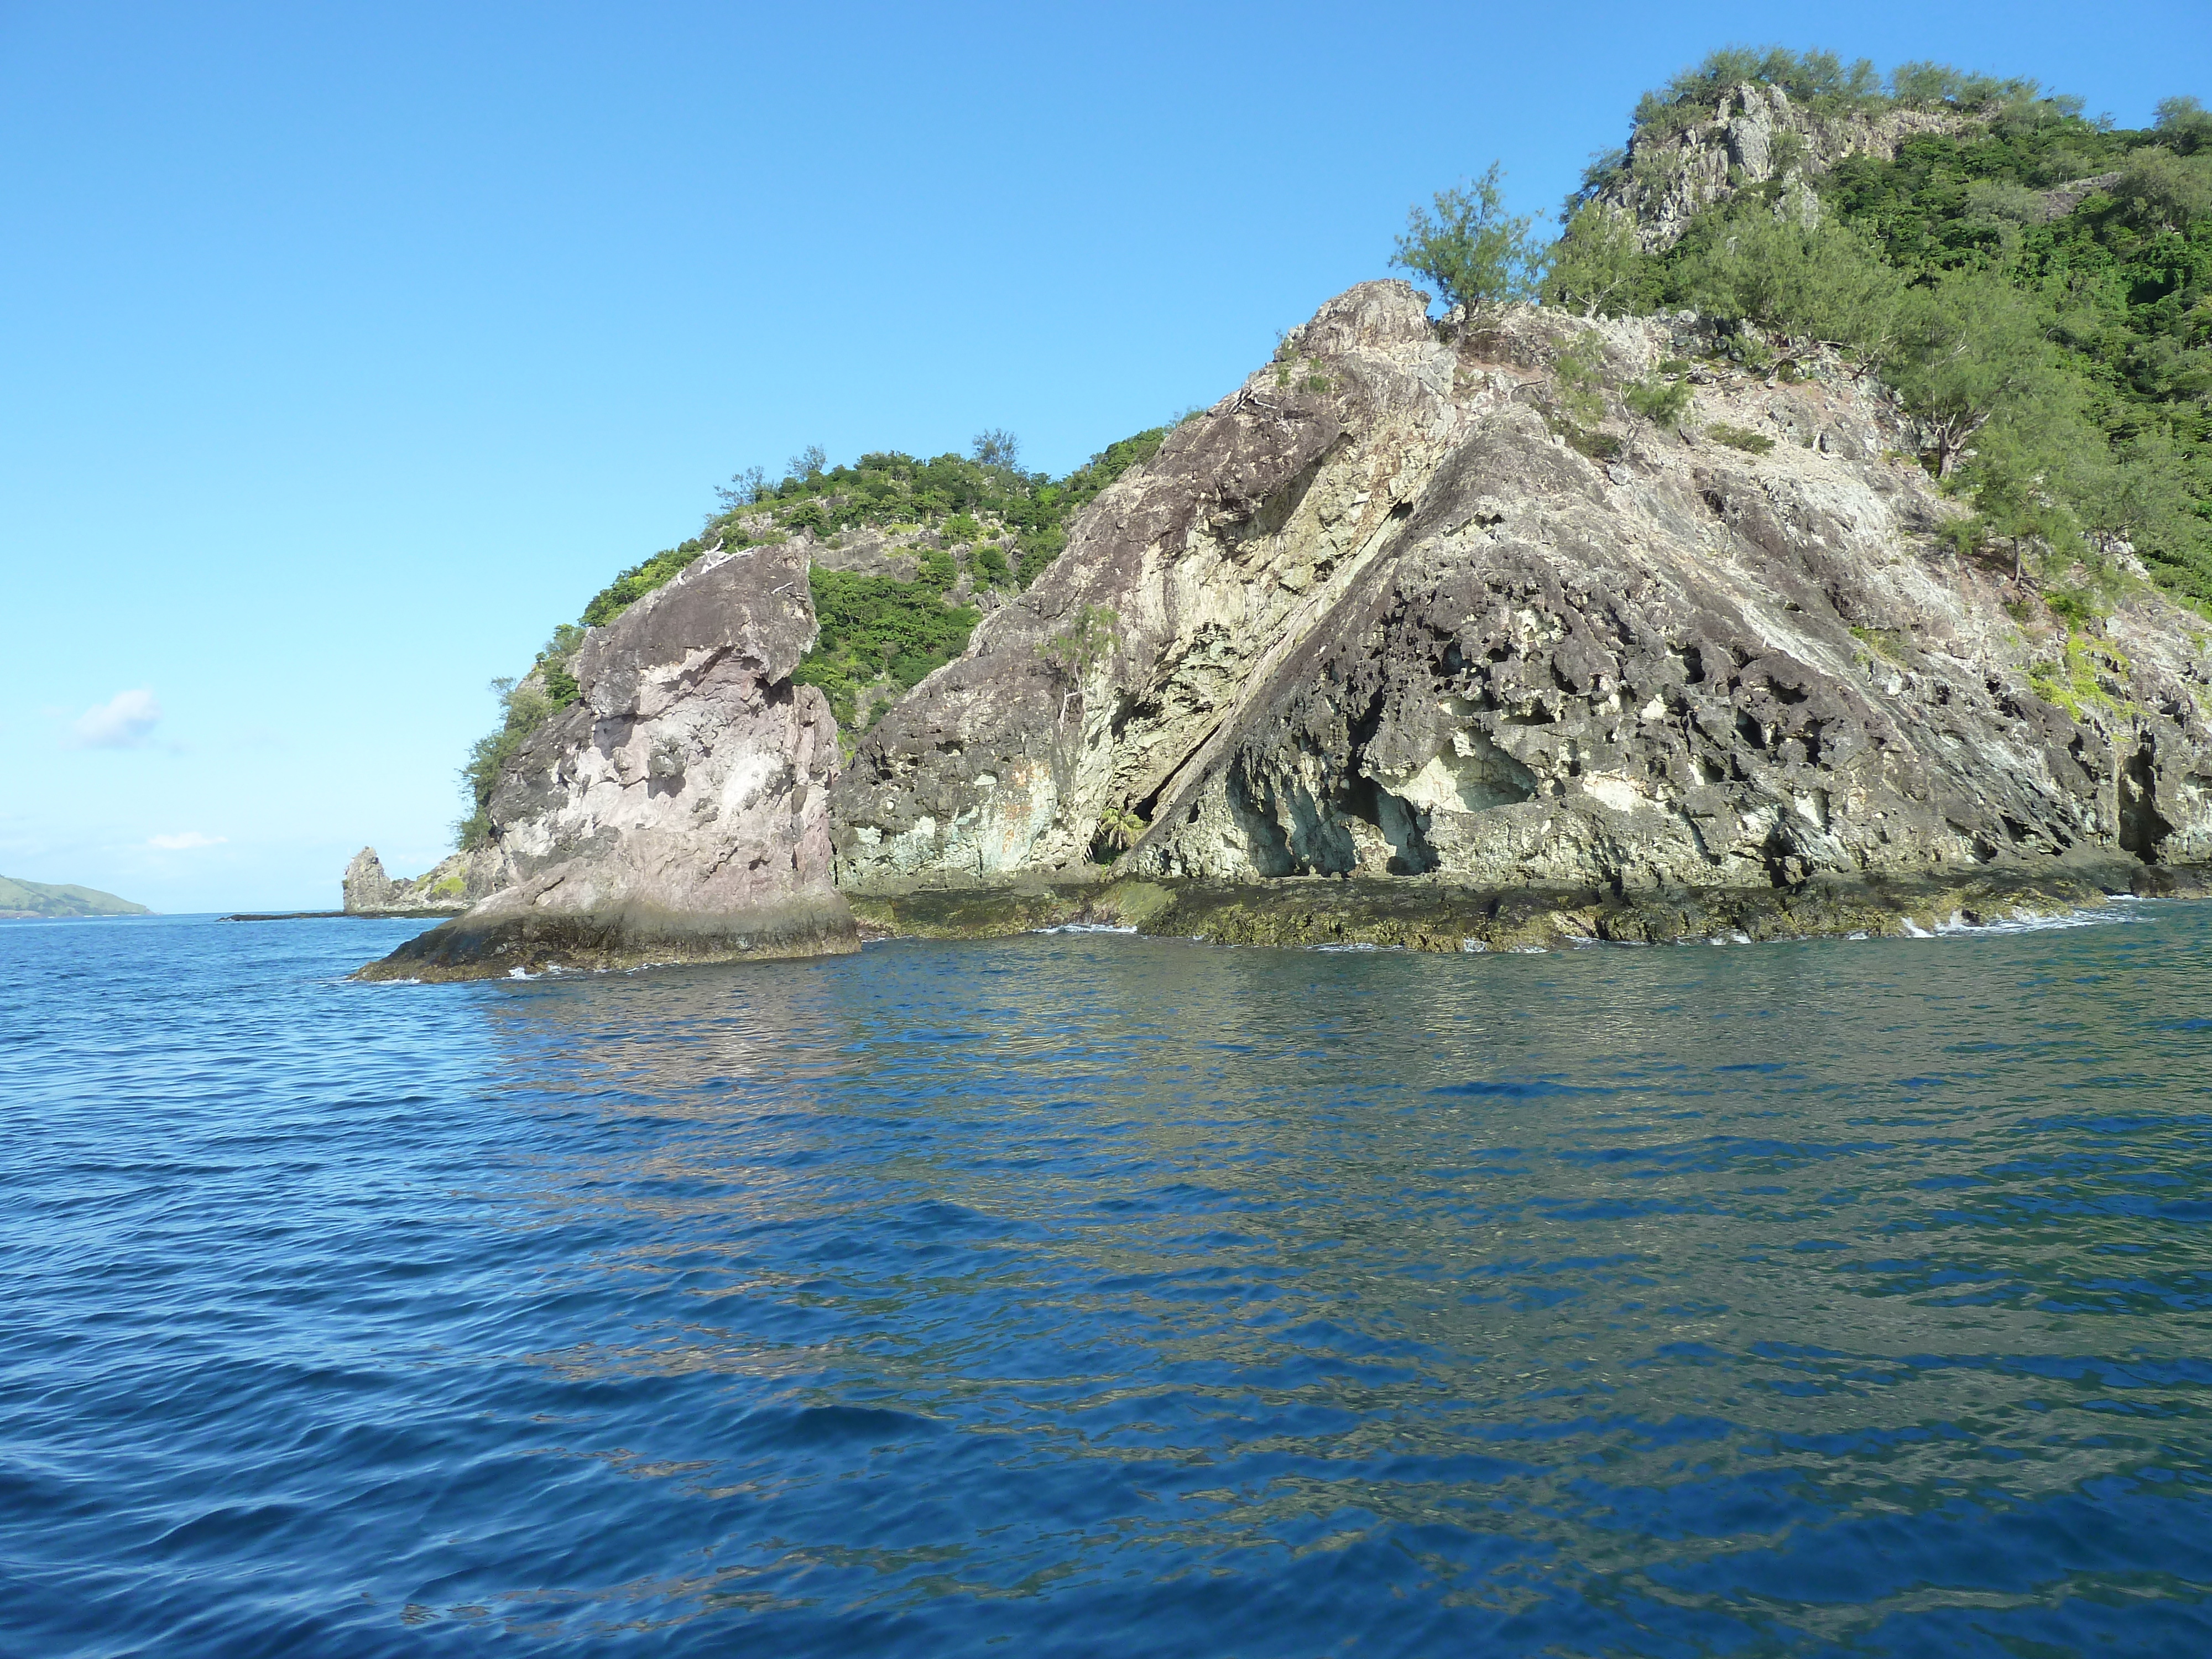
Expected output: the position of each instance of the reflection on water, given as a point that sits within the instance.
(1100, 1294)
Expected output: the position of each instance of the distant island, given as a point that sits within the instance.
(23, 900)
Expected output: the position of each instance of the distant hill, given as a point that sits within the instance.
(19, 899)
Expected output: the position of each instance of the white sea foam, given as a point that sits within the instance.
(1084, 927)
(2021, 921)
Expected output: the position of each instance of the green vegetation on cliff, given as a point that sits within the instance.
(2035, 285)
(977, 519)
(993, 522)
(878, 631)
(1820, 83)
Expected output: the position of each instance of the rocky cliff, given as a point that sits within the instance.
(1756, 133)
(677, 809)
(1379, 618)
(1395, 643)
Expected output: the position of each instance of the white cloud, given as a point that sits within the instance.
(190, 838)
(125, 720)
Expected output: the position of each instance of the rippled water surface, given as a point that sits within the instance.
(1076, 1294)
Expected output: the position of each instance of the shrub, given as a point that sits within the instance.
(2186, 124)
(1471, 249)
(1660, 401)
(1885, 643)
(1596, 266)
(2162, 190)
(997, 448)
(1737, 437)
(523, 707)
(2075, 609)
(1829, 284)
(1598, 446)
(639, 580)
(1578, 373)
(1925, 85)
(1973, 350)
(1118, 827)
(877, 628)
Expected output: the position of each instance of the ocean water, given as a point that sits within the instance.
(1082, 1294)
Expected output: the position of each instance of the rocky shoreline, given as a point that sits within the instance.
(449, 889)
(1430, 917)
(1300, 912)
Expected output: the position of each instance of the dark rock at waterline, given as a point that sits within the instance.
(1433, 915)
(632, 936)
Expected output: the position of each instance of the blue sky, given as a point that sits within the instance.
(348, 348)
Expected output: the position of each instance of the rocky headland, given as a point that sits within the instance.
(1399, 643)
(1402, 631)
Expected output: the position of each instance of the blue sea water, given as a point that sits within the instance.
(1082, 1294)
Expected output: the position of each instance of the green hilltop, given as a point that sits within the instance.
(22, 899)
(2035, 284)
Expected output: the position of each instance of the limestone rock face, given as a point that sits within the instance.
(1375, 618)
(1756, 133)
(679, 809)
